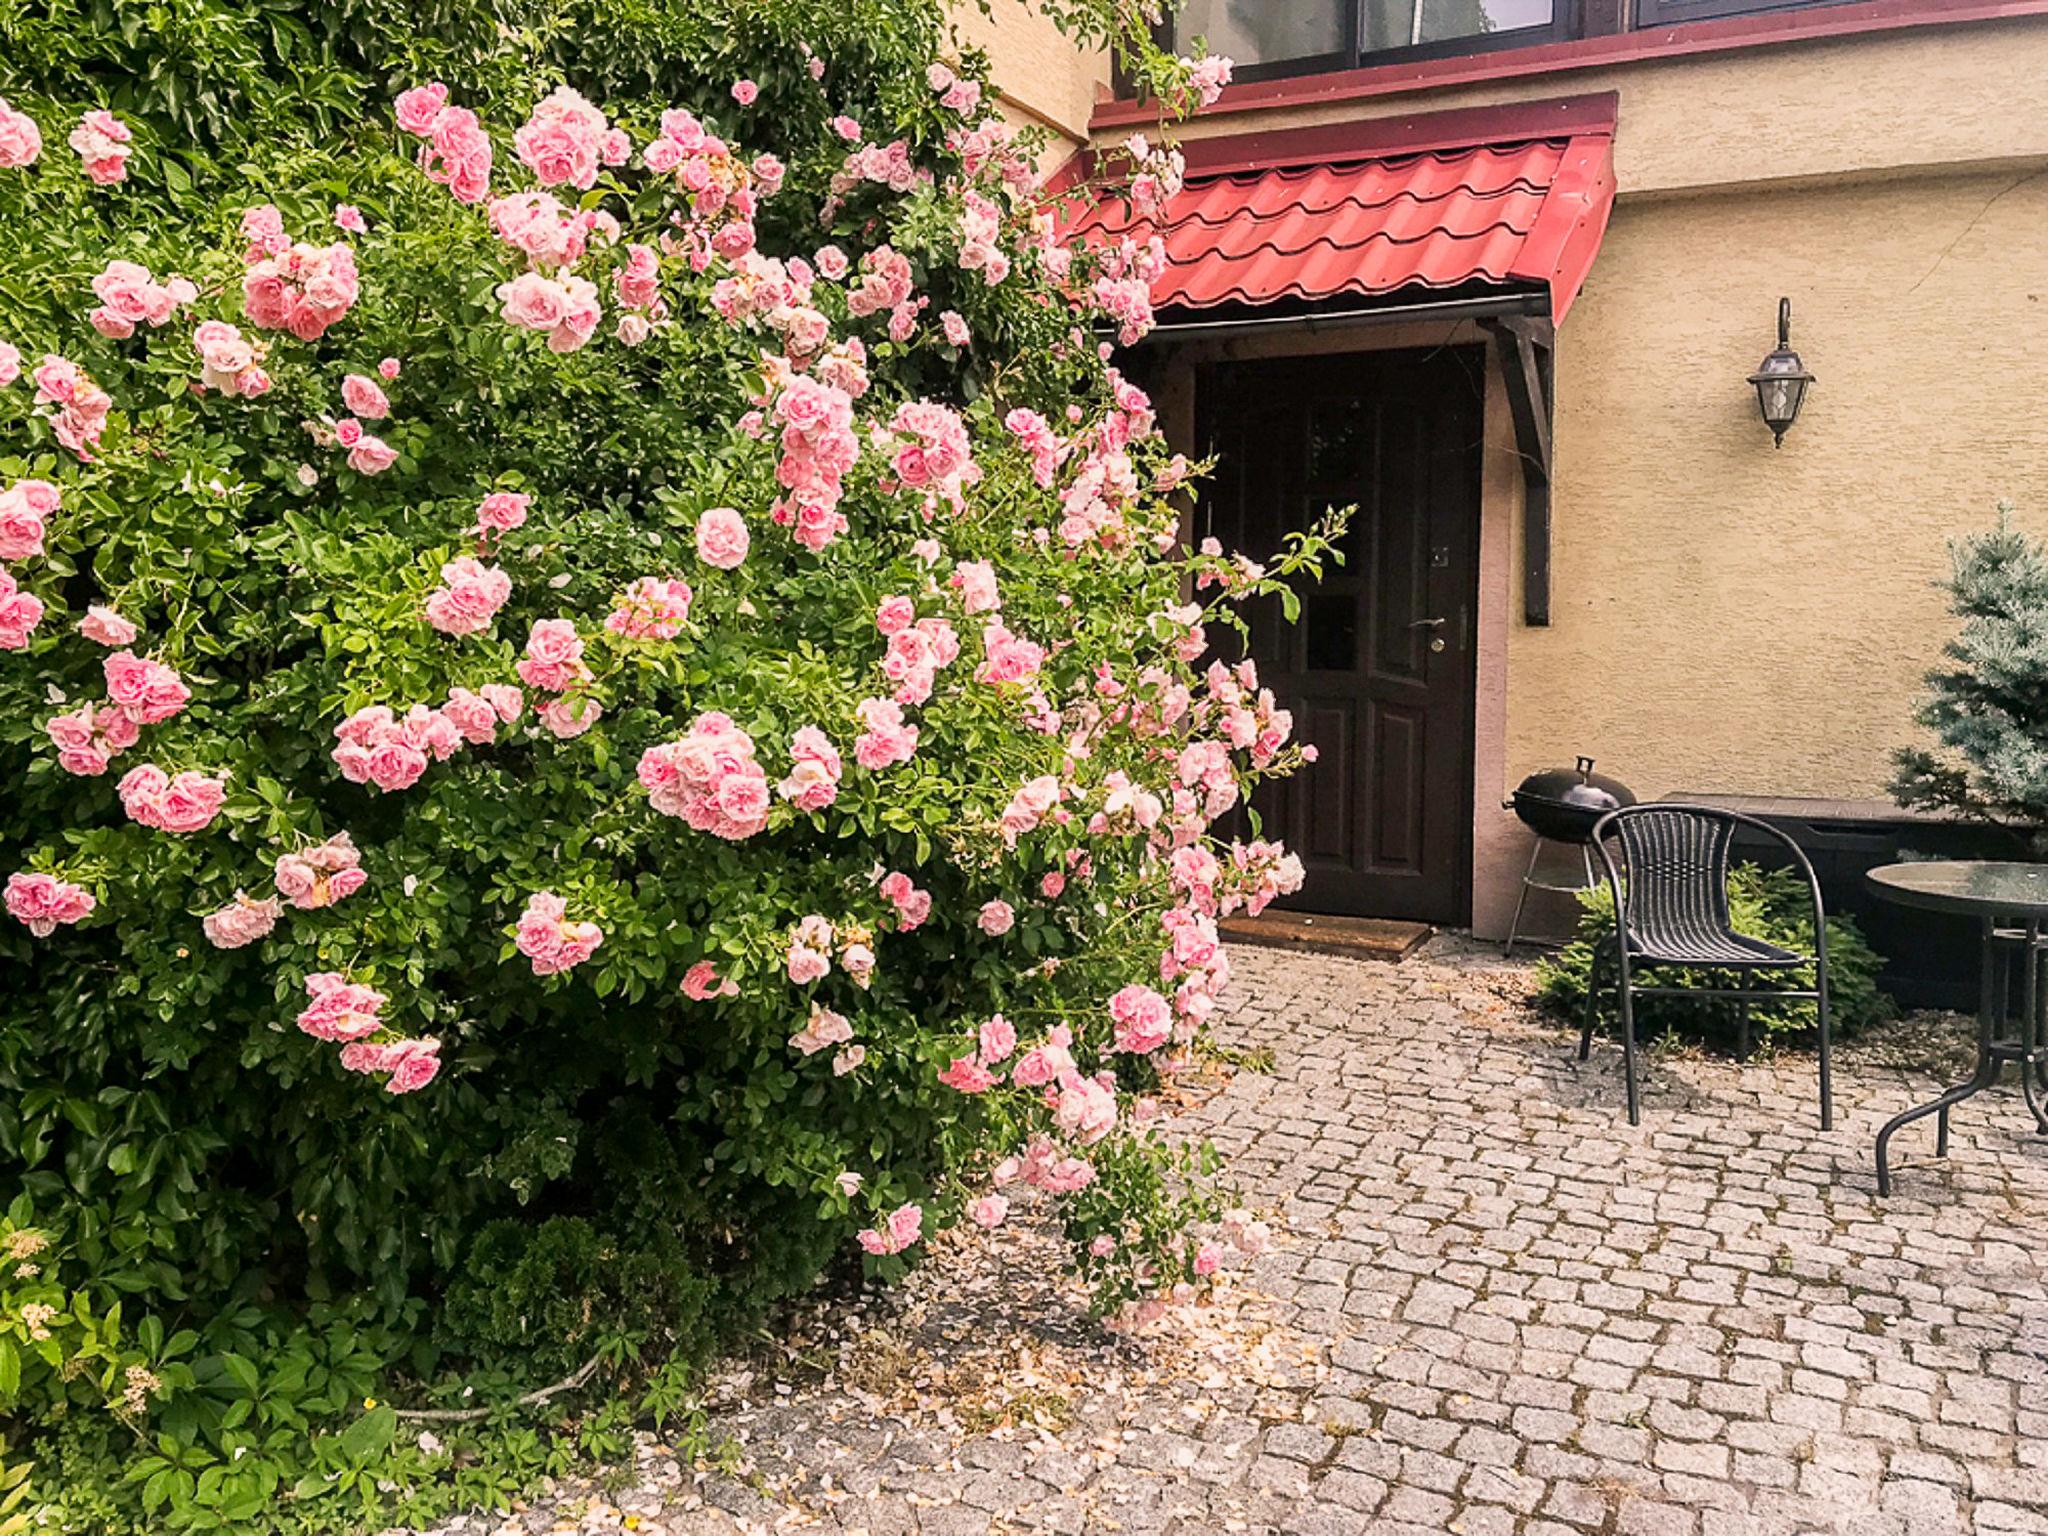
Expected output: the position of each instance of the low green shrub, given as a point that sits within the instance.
(1772, 905)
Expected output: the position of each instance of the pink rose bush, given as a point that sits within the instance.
(738, 662)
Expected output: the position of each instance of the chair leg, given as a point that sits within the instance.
(1592, 1009)
(1742, 1030)
(1628, 1045)
(1827, 1085)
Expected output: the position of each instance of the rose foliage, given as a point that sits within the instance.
(588, 661)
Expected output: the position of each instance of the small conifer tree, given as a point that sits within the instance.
(1988, 708)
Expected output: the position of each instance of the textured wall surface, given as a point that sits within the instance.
(1042, 76)
(1868, 104)
(1728, 617)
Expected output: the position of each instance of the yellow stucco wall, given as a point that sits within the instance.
(1731, 618)
(1041, 76)
(1874, 103)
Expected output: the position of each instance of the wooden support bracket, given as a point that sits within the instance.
(1525, 347)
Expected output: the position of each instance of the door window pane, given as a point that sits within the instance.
(1404, 23)
(1331, 619)
(1265, 31)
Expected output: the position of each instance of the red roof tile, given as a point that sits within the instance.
(1527, 210)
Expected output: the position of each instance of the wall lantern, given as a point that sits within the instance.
(1781, 380)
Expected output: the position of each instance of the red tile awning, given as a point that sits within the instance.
(1514, 196)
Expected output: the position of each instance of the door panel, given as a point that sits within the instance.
(1376, 683)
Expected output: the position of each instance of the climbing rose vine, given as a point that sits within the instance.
(631, 642)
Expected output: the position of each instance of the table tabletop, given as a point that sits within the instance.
(1966, 885)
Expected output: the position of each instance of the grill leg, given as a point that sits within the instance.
(1515, 927)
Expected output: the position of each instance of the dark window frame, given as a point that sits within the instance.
(1666, 13)
(1565, 24)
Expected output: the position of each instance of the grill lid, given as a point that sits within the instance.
(1579, 788)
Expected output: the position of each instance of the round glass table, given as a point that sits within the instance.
(2010, 903)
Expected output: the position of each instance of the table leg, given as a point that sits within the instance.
(2030, 1030)
(1990, 1000)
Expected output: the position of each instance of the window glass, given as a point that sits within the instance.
(1265, 31)
(1404, 23)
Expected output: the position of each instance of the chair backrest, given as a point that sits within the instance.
(1677, 862)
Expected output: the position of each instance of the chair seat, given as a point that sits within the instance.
(1708, 946)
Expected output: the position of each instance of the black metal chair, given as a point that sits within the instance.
(1673, 910)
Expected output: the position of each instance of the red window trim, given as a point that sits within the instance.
(1674, 40)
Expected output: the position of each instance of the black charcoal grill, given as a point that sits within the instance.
(1562, 806)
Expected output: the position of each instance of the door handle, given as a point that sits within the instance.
(1427, 623)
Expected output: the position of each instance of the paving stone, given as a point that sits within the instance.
(1504, 1311)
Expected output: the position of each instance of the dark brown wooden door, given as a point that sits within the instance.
(1378, 672)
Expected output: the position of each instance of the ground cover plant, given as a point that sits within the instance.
(602, 712)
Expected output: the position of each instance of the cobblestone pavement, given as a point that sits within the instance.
(1495, 1310)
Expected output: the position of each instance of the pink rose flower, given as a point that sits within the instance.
(469, 597)
(701, 981)
(1143, 1020)
(20, 140)
(102, 141)
(651, 608)
(886, 739)
(241, 922)
(20, 613)
(571, 716)
(550, 939)
(554, 656)
(321, 875)
(815, 770)
(148, 692)
(989, 1210)
(998, 1038)
(564, 141)
(904, 1227)
(966, 1075)
(502, 511)
(103, 626)
(722, 538)
(895, 614)
(824, 1030)
(744, 92)
(363, 398)
(349, 217)
(418, 107)
(412, 1064)
(371, 456)
(44, 902)
(341, 1010)
(387, 369)
(996, 918)
(25, 509)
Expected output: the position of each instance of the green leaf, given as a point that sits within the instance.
(371, 1435)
